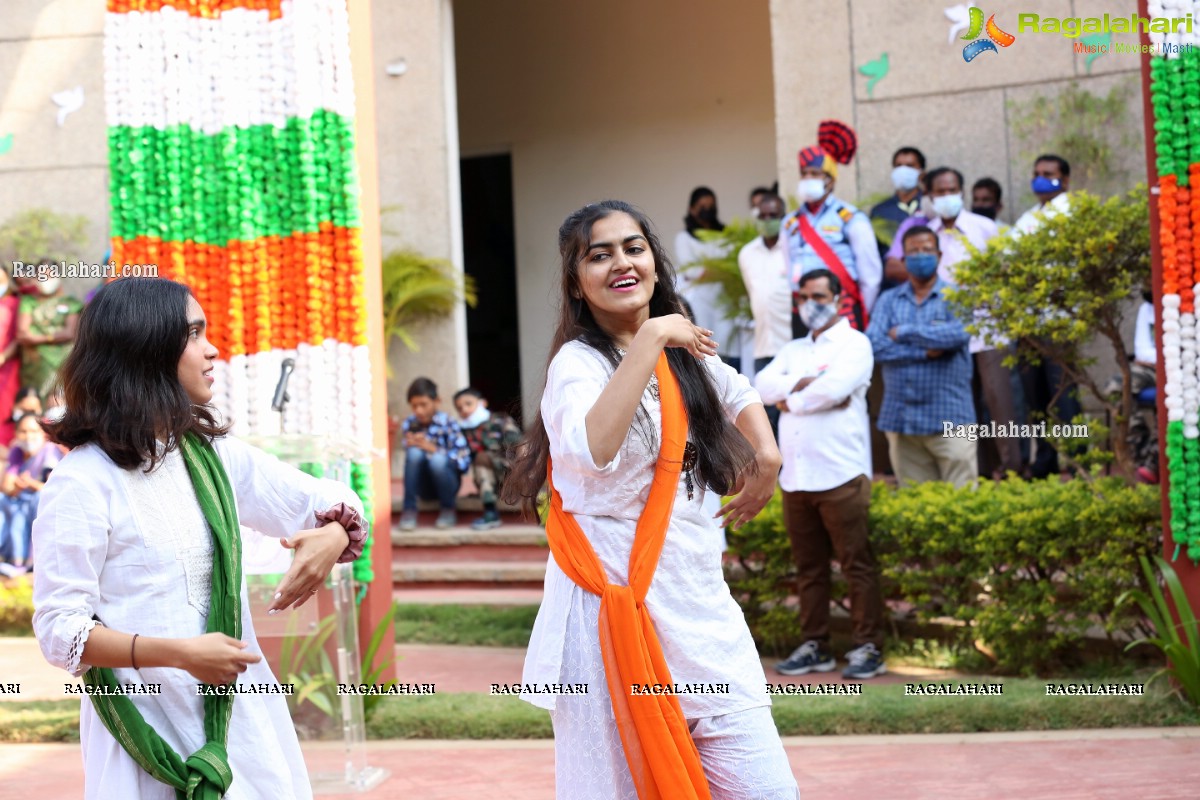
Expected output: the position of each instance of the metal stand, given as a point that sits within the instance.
(355, 774)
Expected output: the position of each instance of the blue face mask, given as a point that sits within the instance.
(1042, 185)
(921, 266)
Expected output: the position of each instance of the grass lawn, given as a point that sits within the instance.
(488, 626)
(40, 721)
(882, 709)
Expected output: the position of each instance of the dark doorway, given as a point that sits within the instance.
(489, 255)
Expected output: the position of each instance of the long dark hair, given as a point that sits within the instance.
(121, 381)
(722, 452)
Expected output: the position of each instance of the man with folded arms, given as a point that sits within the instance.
(819, 383)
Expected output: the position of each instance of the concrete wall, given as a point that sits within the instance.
(623, 99)
(966, 115)
(418, 173)
(959, 114)
(48, 47)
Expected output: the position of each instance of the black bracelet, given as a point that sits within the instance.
(132, 657)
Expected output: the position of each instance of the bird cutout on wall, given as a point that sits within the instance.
(960, 20)
(68, 101)
(6, 142)
(1100, 42)
(875, 71)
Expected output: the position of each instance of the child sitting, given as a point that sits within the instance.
(436, 456)
(491, 436)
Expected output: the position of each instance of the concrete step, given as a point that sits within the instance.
(495, 595)
(507, 543)
(469, 574)
(509, 535)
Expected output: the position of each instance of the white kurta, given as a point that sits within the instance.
(700, 626)
(133, 550)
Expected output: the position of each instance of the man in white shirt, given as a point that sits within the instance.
(764, 266)
(820, 383)
(1046, 381)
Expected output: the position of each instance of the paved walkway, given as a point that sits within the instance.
(1146, 764)
(450, 667)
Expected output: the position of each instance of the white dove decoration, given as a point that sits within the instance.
(960, 20)
(68, 100)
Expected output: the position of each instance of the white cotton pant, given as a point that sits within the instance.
(741, 753)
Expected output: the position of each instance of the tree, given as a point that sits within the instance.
(418, 288)
(724, 269)
(1053, 290)
(41, 233)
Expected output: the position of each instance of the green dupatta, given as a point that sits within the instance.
(205, 774)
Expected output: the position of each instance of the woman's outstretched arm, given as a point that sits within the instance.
(758, 486)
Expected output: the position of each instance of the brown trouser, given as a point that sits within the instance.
(995, 382)
(831, 523)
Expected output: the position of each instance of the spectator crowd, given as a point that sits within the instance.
(37, 328)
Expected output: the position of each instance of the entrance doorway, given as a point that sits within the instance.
(489, 256)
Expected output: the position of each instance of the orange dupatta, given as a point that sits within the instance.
(662, 757)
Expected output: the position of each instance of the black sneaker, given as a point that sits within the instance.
(808, 657)
(865, 662)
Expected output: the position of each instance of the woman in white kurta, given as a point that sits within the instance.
(600, 423)
(123, 551)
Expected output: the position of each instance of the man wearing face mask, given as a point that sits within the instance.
(820, 384)
(957, 228)
(908, 175)
(763, 263)
(1047, 380)
(827, 233)
(46, 324)
(756, 197)
(987, 201)
(922, 345)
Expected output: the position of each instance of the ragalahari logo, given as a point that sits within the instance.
(972, 19)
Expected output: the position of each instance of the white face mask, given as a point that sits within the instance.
(947, 206)
(811, 189)
(479, 416)
(49, 286)
(904, 178)
(816, 315)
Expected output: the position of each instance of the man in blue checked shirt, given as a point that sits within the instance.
(436, 455)
(922, 346)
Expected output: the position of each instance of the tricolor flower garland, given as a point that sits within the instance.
(231, 153)
(1174, 81)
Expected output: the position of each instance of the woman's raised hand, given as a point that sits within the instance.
(215, 658)
(679, 331)
(317, 550)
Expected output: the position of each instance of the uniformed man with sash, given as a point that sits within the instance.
(828, 233)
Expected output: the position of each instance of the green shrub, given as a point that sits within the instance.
(1026, 568)
(16, 607)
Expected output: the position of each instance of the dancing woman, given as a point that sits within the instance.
(638, 420)
(138, 552)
